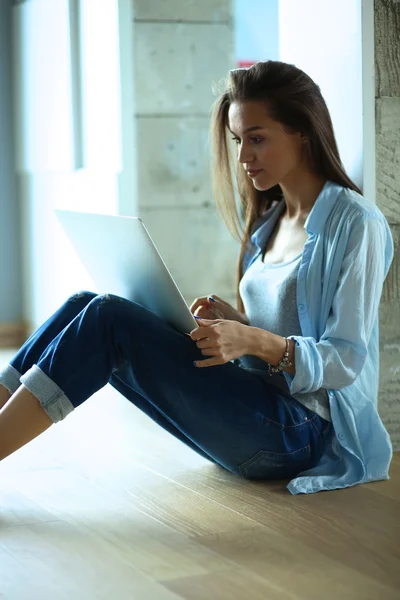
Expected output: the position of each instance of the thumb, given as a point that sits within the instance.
(205, 322)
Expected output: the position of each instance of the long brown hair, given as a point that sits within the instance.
(293, 99)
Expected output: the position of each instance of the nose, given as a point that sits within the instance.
(245, 154)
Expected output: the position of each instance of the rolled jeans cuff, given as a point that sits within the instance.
(10, 378)
(51, 397)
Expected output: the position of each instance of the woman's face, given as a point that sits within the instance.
(267, 152)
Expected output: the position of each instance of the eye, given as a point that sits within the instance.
(235, 139)
(256, 140)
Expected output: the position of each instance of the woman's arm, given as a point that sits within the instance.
(337, 358)
(270, 347)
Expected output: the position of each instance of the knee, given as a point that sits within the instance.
(88, 296)
(110, 299)
(110, 308)
(108, 302)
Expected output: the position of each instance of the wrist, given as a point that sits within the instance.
(243, 319)
(260, 344)
(270, 347)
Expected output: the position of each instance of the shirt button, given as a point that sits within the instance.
(301, 306)
(340, 436)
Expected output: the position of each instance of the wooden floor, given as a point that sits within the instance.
(106, 505)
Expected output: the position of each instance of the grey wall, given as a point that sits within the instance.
(10, 259)
(387, 105)
(180, 49)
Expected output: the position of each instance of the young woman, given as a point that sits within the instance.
(284, 387)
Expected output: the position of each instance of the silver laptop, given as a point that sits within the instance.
(122, 259)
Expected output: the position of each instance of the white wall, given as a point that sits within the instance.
(323, 38)
(51, 124)
(44, 87)
(100, 83)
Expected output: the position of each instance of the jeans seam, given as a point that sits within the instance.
(247, 463)
(306, 420)
(306, 417)
(321, 432)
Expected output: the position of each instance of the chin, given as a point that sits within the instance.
(263, 186)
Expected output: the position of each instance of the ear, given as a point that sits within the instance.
(303, 138)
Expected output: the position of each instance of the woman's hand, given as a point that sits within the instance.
(213, 307)
(220, 339)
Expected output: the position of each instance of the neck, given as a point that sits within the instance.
(301, 191)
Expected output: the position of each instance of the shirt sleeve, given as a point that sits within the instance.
(338, 357)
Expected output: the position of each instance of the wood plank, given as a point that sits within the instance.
(63, 561)
(295, 567)
(391, 487)
(188, 525)
(233, 585)
(176, 506)
(354, 526)
(17, 510)
(148, 543)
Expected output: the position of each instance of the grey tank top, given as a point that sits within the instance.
(268, 292)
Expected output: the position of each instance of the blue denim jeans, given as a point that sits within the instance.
(226, 414)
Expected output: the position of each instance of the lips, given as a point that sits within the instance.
(253, 173)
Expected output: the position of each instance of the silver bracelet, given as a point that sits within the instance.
(284, 362)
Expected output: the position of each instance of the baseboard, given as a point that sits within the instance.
(13, 335)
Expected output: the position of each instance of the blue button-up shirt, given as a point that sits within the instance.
(344, 264)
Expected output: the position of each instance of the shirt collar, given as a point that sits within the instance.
(322, 207)
(314, 222)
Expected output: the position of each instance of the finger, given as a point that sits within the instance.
(216, 299)
(202, 331)
(208, 362)
(205, 343)
(211, 352)
(199, 302)
(211, 314)
(199, 334)
(206, 301)
(206, 322)
(196, 308)
(203, 313)
(218, 315)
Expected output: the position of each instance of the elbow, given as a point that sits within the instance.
(325, 365)
(343, 374)
(339, 380)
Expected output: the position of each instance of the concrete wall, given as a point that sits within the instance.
(10, 262)
(387, 103)
(180, 48)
